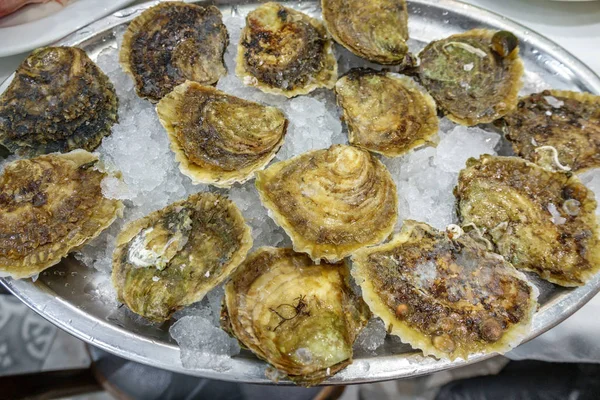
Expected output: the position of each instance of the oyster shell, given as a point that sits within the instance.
(473, 76)
(566, 121)
(300, 317)
(376, 30)
(448, 297)
(49, 206)
(331, 202)
(283, 51)
(385, 112)
(218, 138)
(539, 220)
(172, 257)
(173, 42)
(58, 101)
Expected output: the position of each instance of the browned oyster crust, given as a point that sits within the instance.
(173, 42)
(385, 112)
(49, 206)
(58, 101)
(376, 30)
(174, 256)
(539, 220)
(567, 121)
(331, 202)
(218, 138)
(284, 51)
(300, 317)
(448, 297)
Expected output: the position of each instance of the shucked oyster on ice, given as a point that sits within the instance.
(376, 30)
(300, 317)
(385, 112)
(475, 76)
(174, 256)
(173, 42)
(557, 124)
(49, 206)
(58, 101)
(445, 295)
(284, 51)
(331, 202)
(218, 138)
(539, 220)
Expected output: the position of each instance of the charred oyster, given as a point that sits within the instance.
(539, 220)
(284, 51)
(445, 295)
(300, 317)
(49, 206)
(376, 30)
(218, 138)
(474, 76)
(569, 122)
(174, 256)
(331, 202)
(173, 42)
(385, 112)
(58, 101)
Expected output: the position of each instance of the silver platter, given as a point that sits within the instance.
(66, 294)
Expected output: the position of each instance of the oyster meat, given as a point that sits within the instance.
(331, 202)
(58, 101)
(385, 112)
(283, 51)
(49, 206)
(376, 30)
(174, 256)
(475, 76)
(218, 138)
(173, 42)
(300, 317)
(445, 295)
(560, 124)
(539, 220)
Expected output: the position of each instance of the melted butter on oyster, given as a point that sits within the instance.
(300, 317)
(218, 138)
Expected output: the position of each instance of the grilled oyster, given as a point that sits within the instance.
(58, 101)
(474, 76)
(218, 138)
(49, 206)
(331, 202)
(173, 42)
(448, 297)
(174, 256)
(284, 51)
(567, 121)
(539, 220)
(300, 317)
(376, 30)
(385, 112)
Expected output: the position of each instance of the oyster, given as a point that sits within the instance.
(569, 122)
(473, 76)
(174, 256)
(49, 206)
(448, 297)
(173, 42)
(385, 112)
(58, 101)
(300, 317)
(331, 202)
(539, 220)
(376, 30)
(218, 138)
(284, 51)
